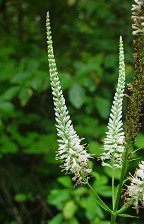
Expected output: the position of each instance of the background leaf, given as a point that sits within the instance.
(69, 210)
(77, 95)
(103, 106)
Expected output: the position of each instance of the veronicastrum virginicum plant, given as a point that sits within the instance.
(74, 155)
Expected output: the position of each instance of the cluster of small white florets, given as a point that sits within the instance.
(135, 191)
(74, 155)
(138, 17)
(114, 142)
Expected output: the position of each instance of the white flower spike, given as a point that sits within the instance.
(114, 142)
(135, 192)
(74, 156)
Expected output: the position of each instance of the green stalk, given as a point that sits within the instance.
(98, 199)
(124, 165)
(113, 192)
(116, 201)
(113, 218)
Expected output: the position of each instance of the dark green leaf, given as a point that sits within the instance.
(10, 93)
(77, 95)
(69, 210)
(58, 198)
(65, 181)
(56, 220)
(139, 143)
(21, 197)
(102, 106)
(128, 216)
(6, 107)
(95, 148)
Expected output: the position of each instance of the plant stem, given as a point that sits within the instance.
(113, 218)
(98, 199)
(113, 193)
(116, 200)
(124, 165)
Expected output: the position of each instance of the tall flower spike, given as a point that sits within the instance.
(138, 17)
(114, 142)
(135, 191)
(74, 156)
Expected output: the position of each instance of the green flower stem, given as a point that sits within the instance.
(113, 218)
(98, 199)
(120, 186)
(116, 202)
(124, 166)
(113, 191)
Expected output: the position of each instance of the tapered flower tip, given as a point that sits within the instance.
(74, 156)
(114, 142)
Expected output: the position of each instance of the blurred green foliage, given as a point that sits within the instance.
(85, 36)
